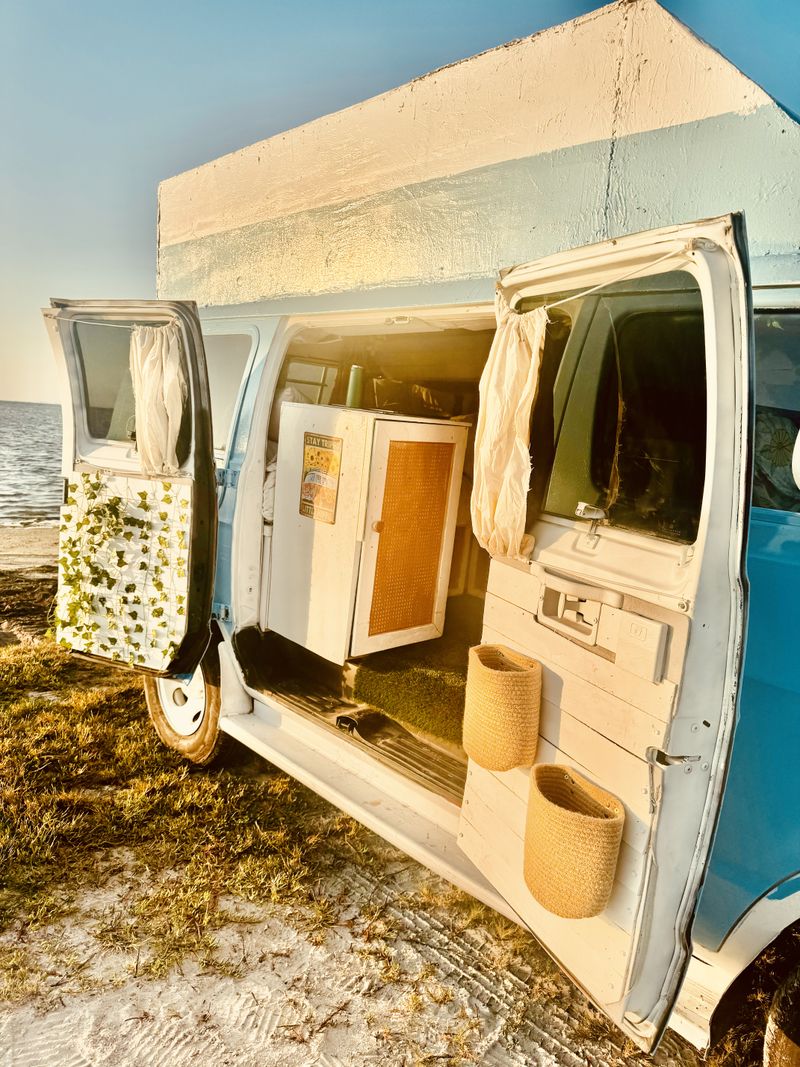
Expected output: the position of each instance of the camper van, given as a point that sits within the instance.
(469, 503)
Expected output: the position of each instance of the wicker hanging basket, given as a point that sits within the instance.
(572, 839)
(501, 711)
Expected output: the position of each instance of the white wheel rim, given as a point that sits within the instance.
(184, 702)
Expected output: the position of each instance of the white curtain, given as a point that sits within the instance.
(160, 390)
(502, 441)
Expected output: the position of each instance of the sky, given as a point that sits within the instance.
(101, 101)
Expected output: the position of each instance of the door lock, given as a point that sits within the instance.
(656, 757)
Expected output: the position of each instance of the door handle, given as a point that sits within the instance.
(582, 591)
(567, 613)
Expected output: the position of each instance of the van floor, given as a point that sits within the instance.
(404, 706)
(422, 685)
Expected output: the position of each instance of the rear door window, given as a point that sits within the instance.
(632, 435)
(103, 351)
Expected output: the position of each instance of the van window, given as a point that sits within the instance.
(104, 360)
(302, 381)
(226, 360)
(777, 344)
(632, 439)
(315, 381)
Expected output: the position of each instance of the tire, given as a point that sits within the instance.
(185, 712)
(782, 1035)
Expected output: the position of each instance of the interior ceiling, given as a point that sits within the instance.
(410, 351)
(395, 324)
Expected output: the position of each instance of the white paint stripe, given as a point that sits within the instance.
(624, 69)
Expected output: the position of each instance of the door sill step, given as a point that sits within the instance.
(387, 815)
(383, 738)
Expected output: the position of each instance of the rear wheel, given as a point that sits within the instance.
(782, 1036)
(185, 711)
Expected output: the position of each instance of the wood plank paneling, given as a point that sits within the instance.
(595, 949)
(514, 623)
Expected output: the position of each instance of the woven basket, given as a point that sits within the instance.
(501, 711)
(572, 838)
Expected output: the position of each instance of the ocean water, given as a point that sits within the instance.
(30, 464)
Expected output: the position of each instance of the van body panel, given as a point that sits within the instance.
(758, 837)
(711, 973)
(231, 596)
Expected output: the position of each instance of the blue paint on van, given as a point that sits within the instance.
(758, 837)
(786, 889)
(264, 334)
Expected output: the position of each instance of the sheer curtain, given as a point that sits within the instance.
(502, 440)
(160, 390)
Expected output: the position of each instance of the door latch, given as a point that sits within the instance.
(595, 516)
(227, 477)
(572, 607)
(656, 757)
(569, 613)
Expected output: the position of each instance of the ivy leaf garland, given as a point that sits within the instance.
(107, 572)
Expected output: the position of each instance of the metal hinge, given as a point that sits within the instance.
(227, 478)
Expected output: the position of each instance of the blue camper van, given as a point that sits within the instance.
(379, 445)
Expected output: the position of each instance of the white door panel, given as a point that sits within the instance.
(136, 552)
(637, 618)
(400, 577)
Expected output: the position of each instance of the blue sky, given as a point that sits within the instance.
(100, 101)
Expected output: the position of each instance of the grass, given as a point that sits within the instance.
(90, 801)
(83, 779)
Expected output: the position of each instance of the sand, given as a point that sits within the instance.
(27, 547)
(424, 990)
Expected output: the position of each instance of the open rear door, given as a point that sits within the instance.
(634, 599)
(137, 538)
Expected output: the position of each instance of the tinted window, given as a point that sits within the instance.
(633, 435)
(777, 345)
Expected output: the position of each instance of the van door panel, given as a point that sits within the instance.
(136, 552)
(637, 617)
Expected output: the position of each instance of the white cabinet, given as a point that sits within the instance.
(365, 512)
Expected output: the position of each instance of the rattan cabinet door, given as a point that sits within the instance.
(414, 484)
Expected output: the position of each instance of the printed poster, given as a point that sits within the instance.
(322, 461)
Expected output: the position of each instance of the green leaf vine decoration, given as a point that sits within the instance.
(123, 568)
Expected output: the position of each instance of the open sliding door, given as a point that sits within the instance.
(634, 599)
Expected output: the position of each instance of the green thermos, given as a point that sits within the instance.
(355, 386)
